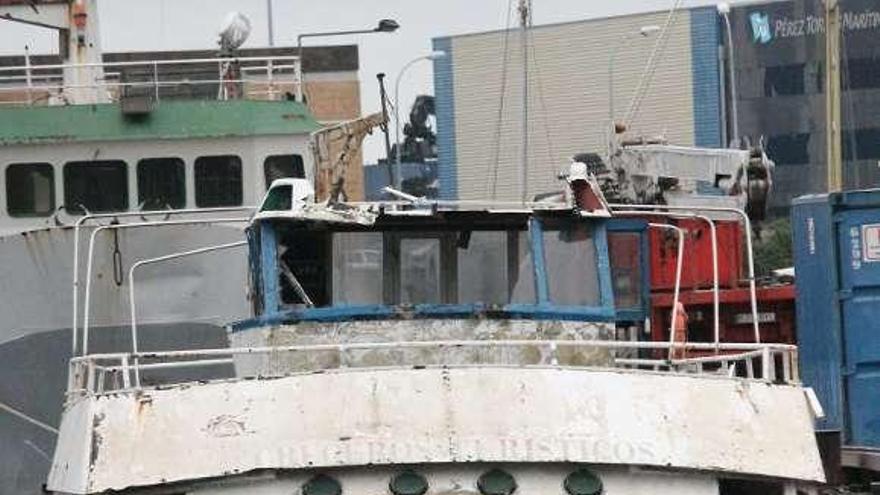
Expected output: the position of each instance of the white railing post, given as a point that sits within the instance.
(126, 379)
(766, 365)
(156, 80)
(90, 377)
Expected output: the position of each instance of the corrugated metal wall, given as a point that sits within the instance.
(480, 131)
(705, 43)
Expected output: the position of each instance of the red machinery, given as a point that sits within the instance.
(776, 310)
(651, 172)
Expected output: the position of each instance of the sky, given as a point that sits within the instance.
(141, 25)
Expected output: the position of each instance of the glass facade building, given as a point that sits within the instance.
(779, 57)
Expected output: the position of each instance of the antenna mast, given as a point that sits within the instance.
(525, 17)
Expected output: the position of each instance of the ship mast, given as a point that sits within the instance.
(525, 17)
(76, 22)
(832, 100)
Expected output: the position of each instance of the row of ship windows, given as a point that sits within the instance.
(102, 185)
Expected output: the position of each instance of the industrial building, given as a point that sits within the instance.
(581, 72)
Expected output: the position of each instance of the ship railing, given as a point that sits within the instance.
(264, 78)
(117, 221)
(97, 374)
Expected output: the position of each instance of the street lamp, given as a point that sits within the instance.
(384, 26)
(724, 11)
(398, 179)
(644, 31)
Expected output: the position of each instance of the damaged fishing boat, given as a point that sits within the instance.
(421, 347)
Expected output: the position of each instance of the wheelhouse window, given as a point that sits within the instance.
(218, 181)
(161, 183)
(357, 268)
(459, 267)
(30, 189)
(96, 186)
(304, 275)
(279, 199)
(570, 261)
(624, 249)
(283, 167)
(420, 271)
(457, 261)
(495, 268)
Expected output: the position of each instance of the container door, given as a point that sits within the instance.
(859, 244)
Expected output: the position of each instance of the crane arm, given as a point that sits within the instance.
(334, 149)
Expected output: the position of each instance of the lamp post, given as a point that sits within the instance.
(270, 20)
(398, 179)
(644, 31)
(384, 26)
(724, 12)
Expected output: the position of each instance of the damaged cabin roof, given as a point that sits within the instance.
(168, 120)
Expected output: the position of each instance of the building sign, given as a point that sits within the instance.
(766, 28)
(761, 32)
(871, 243)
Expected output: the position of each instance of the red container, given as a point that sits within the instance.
(697, 267)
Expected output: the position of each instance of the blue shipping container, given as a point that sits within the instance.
(837, 264)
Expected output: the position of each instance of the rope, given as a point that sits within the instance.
(550, 151)
(492, 168)
(651, 65)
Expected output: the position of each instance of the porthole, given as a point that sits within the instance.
(322, 485)
(408, 483)
(496, 482)
(583, 482)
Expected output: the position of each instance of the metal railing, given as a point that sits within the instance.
(750, 253)
(113, 372)
(269, 78)
(114, 224)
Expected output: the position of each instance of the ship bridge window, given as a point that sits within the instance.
(464, 267)
(420, 271)
(495, 268)
(218, 181)
(161, 184)
(30, 189)
(283, 167)
(302, 258)
(570, 260)
(624, 249)
(357, 268)
(96, 186)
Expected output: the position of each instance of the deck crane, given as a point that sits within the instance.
(334, 152)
